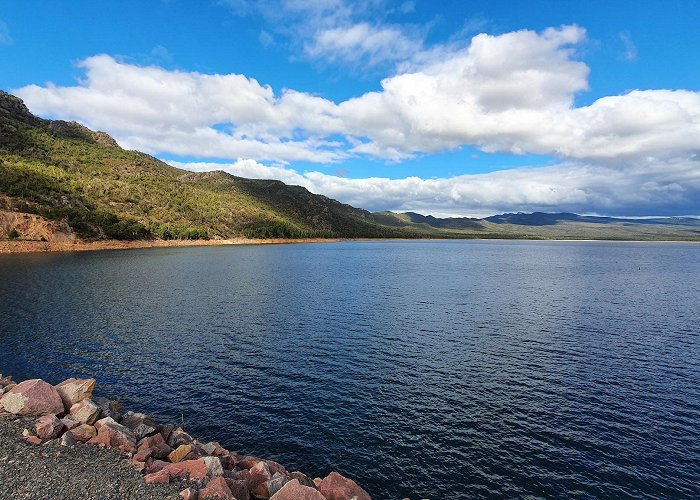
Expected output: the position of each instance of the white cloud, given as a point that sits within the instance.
(655, 188)
(630, 49)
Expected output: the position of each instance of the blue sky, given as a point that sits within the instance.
(450, 108)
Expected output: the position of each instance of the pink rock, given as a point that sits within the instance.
(33, 439)
(143, 454)
(275, 467)
(247, 461)
(317, 482)
(157, 445)
(239, 488)
(113, 435)
(160, 477)
(214, 467)
(84, 433)
(69, 423)
(294, 490)
(48, 427)
(32, 397)
(5, 381)
(303, 479)
(189, 494)
(85, 412)
(196, 470)
(139, 466)
(268, 488)
(259, 473)
(337, 487)
(217, 488)
(156, 465)
(106, 420)
(75, 390)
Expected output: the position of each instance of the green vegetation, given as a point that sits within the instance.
(66, 172)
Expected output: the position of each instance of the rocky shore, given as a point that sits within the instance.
(62, 442)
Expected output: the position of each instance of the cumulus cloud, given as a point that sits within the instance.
(669, 187)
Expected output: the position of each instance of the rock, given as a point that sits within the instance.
(259, 474)
(5, 381)
(241, 475)
(239, 488)
(32, 397)
(217, 488)
(85, 412)
(160, 477)
(196, 470)
(178, 437)
(189, 494)
(180, 453)
(157, 445)
(84, 433)
(143, 454)
(109, 408)
(317, 482)
(156, 465)
(106, 420)
(33, 440)
(303, 479)
(139, 466)
(275, 467)
(67, 439)
(114, 435)
(7, 389)
(214, 466)
(74, 390)
(247, 461)
(69, 423)
(141, 424)
(165, 430)
(294, 490)
(48, 427)
(269, 488)
(213, 448)
(337, 487)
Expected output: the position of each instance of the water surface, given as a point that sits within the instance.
(432, 369)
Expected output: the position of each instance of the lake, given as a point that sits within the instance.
(429, 369)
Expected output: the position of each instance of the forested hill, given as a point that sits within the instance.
(65, 172)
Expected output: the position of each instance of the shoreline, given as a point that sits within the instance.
(29, 246)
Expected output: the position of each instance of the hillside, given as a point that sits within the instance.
(60, 181)
(67, 173)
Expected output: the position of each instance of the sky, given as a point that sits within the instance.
(451, 108)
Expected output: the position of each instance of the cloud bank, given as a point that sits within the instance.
(512, 93)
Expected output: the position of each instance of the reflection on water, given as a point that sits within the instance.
(429, 369)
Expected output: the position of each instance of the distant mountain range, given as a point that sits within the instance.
(73, 177)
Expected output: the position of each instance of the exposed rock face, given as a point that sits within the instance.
(32, 397)
(34, 227)
(293, 490)
(48, 427)
(85, 412)
(75, 390)
(337, 487)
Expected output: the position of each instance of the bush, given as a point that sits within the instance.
(13, 235)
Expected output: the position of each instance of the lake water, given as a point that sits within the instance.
(429, 369)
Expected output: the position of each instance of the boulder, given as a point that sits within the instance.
(48, 427)
(160, 477)
(165, 430)
(141, 424)
(74, 390)
(196, 470)
(157, 445)
(303, 479)
(269, 488)
(33, 439)
(214, 466)
(32, 397)
(180, 453)
(215, 449)
(85, 412)
(156, 465)
(337, 487)
(239, 488)
(113, 435)
(189, 494)
(259, 473)
(69, 423)
(67, 439)
(275, 467)
(216, 488)
(5, 381)
(109, 408)
(178, 437)
(84, 433)
(247, 461)
(294, 490)
(106, 420)
(140, 467)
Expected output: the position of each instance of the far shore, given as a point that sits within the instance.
(26, 246)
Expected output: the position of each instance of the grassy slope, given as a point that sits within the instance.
(66, 172)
